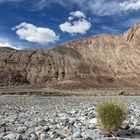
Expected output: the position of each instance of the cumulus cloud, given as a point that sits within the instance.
(74, 26)
(32, 33)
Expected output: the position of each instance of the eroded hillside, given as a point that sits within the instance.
(98, 61)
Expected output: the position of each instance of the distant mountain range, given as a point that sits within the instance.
(100, 61)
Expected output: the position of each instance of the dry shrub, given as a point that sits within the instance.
(111, 115)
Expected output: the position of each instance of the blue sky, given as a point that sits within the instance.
(46, 23)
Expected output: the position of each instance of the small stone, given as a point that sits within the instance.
(90, 134)
(76, 133)
(2, 124)
(19, 137)
(89, 138)
(21, 129)
(39, 128)
(92, 126)
(30, 124)
(43, 136)
(94, 121)
(38, 133)
(10, 136)
(46, 128)
(128, 134)
(125, 126)
(60, 133)
(34, 136)
(42, 122)
(2, 129)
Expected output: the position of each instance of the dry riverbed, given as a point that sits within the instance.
(58, 117)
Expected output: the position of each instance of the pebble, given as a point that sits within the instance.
(93, 121)
(19, 137)
(34, 137)
(10, 136)
(76, 133)
(57, 118)
(21, 129)
(90, 135)
(60, 134)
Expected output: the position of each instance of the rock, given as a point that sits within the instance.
(2, 129)
(125, 133)
(125, 126)
(93, 121)
(34, 136)
(30, 124)
(136, 130)
(43, 136)
(71, 121)
(73, 112)
(10, 136)
(21, 129)
(92, 126)
(38, 133)
(46, 128)
(39, 128)
(76, 133)
(71, 126)
(2, 124)
(42, 122)
(89, 138)
(90, 135)
(65, 121)
(60, 133)
(19, 137)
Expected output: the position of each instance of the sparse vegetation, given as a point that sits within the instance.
(111, 115)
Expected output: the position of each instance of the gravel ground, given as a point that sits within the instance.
(56, 118)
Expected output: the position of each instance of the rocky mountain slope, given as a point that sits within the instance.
(101, 61)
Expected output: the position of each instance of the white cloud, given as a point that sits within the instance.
(32, 33)
(6, 44)
(78, 14)
(98, 7)
(73, 26)
(104, 8)
(131, 5)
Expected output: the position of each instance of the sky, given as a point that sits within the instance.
(47, 23)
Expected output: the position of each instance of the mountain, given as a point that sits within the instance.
(100, 61)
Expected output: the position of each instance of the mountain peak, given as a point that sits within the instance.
(132, 36)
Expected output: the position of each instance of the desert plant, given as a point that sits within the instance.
(110, 115)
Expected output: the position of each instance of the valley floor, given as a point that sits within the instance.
(43, 91)
(59, 117)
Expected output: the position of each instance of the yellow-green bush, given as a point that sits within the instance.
(110, 115)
